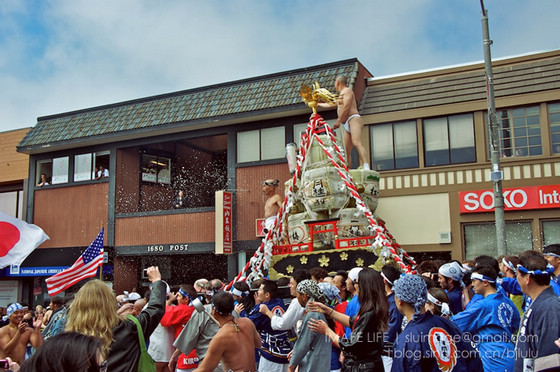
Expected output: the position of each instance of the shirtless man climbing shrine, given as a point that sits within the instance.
(349, 117)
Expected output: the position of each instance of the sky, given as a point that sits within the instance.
(63, 55)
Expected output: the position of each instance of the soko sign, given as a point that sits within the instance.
(535, 197)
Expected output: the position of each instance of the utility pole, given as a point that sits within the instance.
(496, 174)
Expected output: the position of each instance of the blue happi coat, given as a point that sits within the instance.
(432, 343)
(275, 344)
(491, 323)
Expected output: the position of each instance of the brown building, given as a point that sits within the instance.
(14, 170)
(426, 133)
(429, 139)
(229, 136)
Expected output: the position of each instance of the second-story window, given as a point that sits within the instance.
(554, 120)
(261, 144)
(520, 131)
(394, 145)
(449, 140)
(91, 166)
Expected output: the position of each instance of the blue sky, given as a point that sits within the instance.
(64, 55)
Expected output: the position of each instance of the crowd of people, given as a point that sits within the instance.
(489, 314)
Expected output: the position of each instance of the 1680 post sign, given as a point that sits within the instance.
(165, 248)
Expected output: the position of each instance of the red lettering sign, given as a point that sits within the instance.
(227, 223)
(519, 198)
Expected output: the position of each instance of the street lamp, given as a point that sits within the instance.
(496, 174)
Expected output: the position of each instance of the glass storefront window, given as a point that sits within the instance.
(480, 239)
(551, 232)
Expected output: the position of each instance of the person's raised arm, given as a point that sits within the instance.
(330, 312)
(150, 317)
(36, 338)
(326, 105)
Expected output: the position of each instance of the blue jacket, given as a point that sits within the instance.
(432, 343)
(351, 309)
(491, 322)
(275, 344)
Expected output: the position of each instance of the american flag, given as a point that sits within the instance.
(84, 267)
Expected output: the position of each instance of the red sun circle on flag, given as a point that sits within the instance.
(9, 236)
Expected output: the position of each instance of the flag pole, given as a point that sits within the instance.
(101, 266)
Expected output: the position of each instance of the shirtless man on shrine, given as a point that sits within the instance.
(15, 336)
(272, 204)
(235, 342)
(349, 117)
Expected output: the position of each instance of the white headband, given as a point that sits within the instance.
(237, 292)
(434, 300)
(384, 277)
(445, 310)
(509, 265)
(482, 277)
(551, 254)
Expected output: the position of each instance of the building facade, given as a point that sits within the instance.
(426, 133)
(429, 139)
(14, 168)
(230, 136)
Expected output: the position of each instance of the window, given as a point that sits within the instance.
(60, 170)
(480, 239)
(299, 129)
(520, 132)
(154, 175)
(263, 144)
(554, 120)
(394, 146)
(551, 232)
(11, 203)
(44, 167)
(156, 169)
(449, 140)
(55, 171)
(87, 165)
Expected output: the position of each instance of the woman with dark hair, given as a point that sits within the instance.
(364, 346)
(438, 302)
(67, 351)
(242, 297)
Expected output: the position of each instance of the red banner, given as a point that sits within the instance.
(519, 198)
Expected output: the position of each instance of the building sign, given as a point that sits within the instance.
(224, 225)
(35, 271)
(519, 198)
(164, 249)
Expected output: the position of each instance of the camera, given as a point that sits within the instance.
(4, 364)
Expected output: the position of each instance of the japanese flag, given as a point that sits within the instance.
(17, 240)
